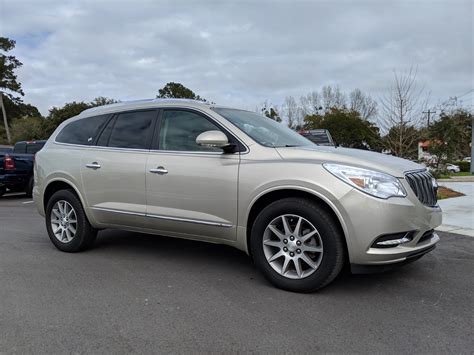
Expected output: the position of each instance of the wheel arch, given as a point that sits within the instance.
(269, 196)
(57, 185)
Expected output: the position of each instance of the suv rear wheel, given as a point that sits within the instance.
(297, 245)
(67, 224)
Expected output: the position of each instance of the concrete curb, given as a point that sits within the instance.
(456, 230)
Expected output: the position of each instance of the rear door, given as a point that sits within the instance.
(113, 171)
(191, 190)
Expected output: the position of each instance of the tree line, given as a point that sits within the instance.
(394, 123)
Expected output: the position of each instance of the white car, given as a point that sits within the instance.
(468, 159)
(452, 168)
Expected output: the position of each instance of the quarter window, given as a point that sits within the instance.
(83, 131)
(179, 130)
(132, 130)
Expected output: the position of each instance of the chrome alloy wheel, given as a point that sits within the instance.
(292, 246)
(63, 221)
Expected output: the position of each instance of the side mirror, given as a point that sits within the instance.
(214, 139)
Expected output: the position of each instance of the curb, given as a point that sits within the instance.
(456, 230)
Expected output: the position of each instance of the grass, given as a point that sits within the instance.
(449, 175)
(444, 193)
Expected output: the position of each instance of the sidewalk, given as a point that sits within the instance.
(458, 212)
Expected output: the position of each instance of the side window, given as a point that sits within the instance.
(19, 148)
(179, 130)
(34, 148)
(132, 129)
(83, 131)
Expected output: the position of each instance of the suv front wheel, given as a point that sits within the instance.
(297, 245)
(67, 224)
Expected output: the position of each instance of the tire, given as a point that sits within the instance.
(85, 234)
(29, 187)
(3, 190)
(324, 265)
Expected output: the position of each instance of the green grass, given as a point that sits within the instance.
(449, 175)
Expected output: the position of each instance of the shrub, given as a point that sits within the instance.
(463, 165)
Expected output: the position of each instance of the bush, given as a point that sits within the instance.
(463, 165)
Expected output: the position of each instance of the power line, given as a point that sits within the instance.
(429, 112)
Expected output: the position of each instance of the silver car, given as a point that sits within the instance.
(198, 171)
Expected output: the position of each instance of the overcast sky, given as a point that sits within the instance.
(236, 53)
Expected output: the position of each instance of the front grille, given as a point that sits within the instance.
(421, 182)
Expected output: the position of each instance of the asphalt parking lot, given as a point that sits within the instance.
(147, 294)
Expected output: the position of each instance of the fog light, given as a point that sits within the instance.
(392, 240)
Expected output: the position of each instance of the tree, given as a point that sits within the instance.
(402, 113)
(101, 101)
(9, 84)
(362, 103)
(311, 104)
(292, 112)
(450, 135)
(270, 111)
(347, 128)
(333, 97)
(177, 91)
(29, 128)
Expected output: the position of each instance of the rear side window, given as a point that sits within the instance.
(131, 130)
(20, 148)
(83, 131)
(33, 148)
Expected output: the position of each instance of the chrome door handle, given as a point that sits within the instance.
(93, 165)
(159, 170)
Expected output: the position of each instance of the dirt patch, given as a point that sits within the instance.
(444, 192)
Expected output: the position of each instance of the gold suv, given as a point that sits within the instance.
(193, 170)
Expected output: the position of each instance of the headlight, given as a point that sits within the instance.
(371, 182)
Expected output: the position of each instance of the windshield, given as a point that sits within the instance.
(263, 130)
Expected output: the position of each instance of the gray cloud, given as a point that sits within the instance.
(236, 53)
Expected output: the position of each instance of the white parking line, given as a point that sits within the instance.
(27, 202)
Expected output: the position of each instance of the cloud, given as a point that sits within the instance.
(235, 53)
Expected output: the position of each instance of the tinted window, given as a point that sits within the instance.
(132, 129)
(83, 131)
(34, 148)
(179, 130)
(19, 148)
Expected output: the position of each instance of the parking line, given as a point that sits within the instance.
(27, 202)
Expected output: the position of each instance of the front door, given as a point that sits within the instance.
(191, 190)
(113, 171)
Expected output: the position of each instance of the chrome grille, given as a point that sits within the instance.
(421, 182)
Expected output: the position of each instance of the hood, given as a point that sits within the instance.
(355, 157)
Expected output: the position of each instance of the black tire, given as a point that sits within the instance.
(29, 187)
(85, 233)
(3, 190)
(332, 239)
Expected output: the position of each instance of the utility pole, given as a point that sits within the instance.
(7, 129)
(429, 112)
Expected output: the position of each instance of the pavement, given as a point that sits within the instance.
(458, 212)
(135, 293)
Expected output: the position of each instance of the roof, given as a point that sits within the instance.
(147, 103)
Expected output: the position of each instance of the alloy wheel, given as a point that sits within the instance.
(63, 221)
(292, 246)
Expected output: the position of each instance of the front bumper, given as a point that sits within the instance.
(367, 218)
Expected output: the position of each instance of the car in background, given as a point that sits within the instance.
(468, 159)
(453, 168)
(318, 136)
(16, 167)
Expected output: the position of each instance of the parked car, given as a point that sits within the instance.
(318, 136)
(468, 159)
(453, 168)
(199, 171)
(16, 167)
